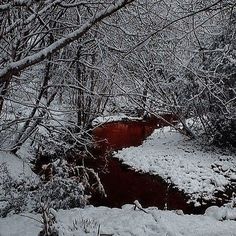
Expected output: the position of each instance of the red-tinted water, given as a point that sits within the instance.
(118, 135)
(123, 185)
(122, 134)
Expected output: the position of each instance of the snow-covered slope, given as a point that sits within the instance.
(170, 155)
(123, 222)
(17, 168)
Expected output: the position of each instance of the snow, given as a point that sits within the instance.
(125, 222)
(68, 38)
(119, 117)
(196, 171)
(221, 213)
(17, 167)
(15, 174)
(165, 153)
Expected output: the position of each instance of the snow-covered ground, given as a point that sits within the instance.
(168, 154)
(124, 222)
(198, 172)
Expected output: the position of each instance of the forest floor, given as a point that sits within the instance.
(95, 221)
(195, 170)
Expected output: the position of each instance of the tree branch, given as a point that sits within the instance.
(28, 61)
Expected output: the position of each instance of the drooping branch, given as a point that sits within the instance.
(35, 58)
(18, 22)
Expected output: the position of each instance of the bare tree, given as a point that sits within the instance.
(34, 31)
(23, 21)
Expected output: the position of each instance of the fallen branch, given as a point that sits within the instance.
(139, 206)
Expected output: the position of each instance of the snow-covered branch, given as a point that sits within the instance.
(15, 3)
(17, 66)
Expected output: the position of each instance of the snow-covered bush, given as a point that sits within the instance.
(64, 193)
(14, 194)
(24, 194)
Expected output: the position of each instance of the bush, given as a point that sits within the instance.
(224, 132)
(24, 195)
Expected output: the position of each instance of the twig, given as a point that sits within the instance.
(138, 205)
(32, 218)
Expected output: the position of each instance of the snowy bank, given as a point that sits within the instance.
(105, 119)
(124, 222)
(199, 173)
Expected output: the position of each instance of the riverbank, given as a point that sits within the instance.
(198, 172)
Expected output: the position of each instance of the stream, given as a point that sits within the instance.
(122, 184)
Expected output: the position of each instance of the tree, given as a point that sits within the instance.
(162, 73)
(10, 65)
(34, 31)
